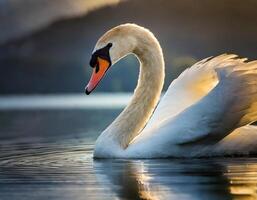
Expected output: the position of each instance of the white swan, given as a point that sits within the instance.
(205, 112)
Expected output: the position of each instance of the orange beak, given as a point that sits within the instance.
(98, 73)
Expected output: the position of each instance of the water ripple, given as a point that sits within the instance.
(66, 170)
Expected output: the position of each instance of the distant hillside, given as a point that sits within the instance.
(55, 59)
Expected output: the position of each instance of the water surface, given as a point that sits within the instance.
(46, 153)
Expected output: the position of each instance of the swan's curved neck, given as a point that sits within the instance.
(146, 96)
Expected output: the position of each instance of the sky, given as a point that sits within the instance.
(45, 45)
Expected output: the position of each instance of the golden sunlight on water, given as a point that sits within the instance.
(243, 181)
(145, 189)
(69, 166)
(53, 158)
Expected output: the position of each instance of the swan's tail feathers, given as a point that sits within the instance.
(243, 81)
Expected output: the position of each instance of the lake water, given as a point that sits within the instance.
(46, 146)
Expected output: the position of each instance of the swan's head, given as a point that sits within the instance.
(112, 46)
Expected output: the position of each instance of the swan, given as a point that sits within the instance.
(206, 111)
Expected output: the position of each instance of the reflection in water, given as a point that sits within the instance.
(179, 179)
(52, 159)
(67, 170)
(243, 180)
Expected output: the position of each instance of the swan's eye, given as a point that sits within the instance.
(109, 45)
(101, 53)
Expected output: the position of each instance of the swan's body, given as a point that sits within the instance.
(205, 112)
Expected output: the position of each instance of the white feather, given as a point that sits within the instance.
(214, 98)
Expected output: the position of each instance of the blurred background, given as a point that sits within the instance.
(48, 126)
(45, 45)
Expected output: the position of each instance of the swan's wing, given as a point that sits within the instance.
(193, 84)
(232, 103)
(242, 141)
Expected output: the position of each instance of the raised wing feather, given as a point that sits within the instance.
(232, 103)
(192, 85)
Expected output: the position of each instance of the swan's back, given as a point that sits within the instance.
(191, 120)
